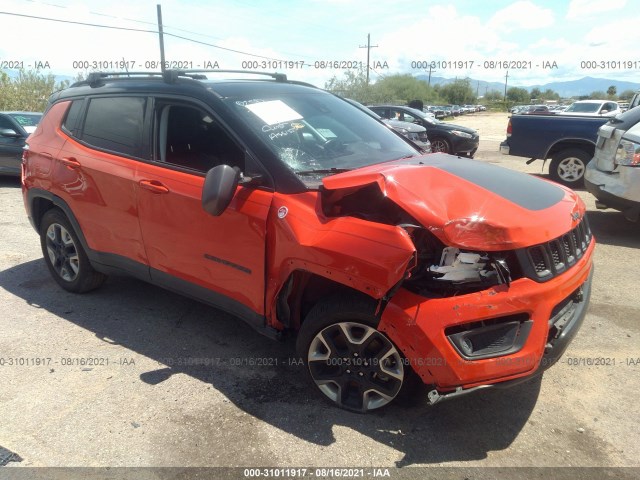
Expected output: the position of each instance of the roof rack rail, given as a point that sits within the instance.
(278, 77)
(94, 77)
(171, 76)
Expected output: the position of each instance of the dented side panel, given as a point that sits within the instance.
(367, 256)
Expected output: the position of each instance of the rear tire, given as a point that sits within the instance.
(568, 167)
(64, 255)
(353, 364)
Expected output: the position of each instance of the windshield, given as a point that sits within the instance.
(26, 119)
(316, 132)
(583, 107)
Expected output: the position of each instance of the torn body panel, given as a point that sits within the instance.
(366, 256)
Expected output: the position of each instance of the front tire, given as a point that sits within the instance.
(568, 167)
(354, 365)
(440, 145)
(63, 253)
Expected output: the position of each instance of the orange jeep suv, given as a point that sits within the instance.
(299, 213)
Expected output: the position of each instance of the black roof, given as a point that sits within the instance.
(196, 84)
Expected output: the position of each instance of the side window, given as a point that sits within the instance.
(116, 124)
(6, 123)
(409, 118)
(70, 124)
(189, 137)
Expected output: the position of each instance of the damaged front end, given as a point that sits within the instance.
(442, 271)
(479, 304)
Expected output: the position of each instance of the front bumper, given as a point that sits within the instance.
(465, 145)
(417, 326)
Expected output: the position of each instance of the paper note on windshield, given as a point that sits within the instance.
(274, 111)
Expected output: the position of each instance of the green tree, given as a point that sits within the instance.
(535, 94)
(28, 92)
(612, 90)
(626, 95)
(493, 96)
(518, 95)
(402, 89)
(597, 95)
(549, 94)
(458, 92)
(353, 85)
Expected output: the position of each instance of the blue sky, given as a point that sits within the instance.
(473, 34)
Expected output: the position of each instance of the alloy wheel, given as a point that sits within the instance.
(355, 366)
(62, 252)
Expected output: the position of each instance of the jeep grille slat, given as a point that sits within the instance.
(545, 261)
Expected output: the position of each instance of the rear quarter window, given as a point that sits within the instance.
(71, 123)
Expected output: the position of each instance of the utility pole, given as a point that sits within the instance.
(368, 46)
(477, 88)
(161, 35)
(430, 69)
(506, 79)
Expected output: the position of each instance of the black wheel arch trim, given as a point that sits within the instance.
(36, 216)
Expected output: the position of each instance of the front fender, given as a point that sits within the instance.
(367, 256)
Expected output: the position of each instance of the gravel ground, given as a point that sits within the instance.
(140, 401)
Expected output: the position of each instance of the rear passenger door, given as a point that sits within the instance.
(221, 259)
(106, 137)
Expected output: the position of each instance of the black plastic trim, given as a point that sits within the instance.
(519, 328)
(209, 297)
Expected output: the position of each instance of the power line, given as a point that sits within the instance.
(139, 30)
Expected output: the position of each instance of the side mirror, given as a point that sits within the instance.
(9, 132)
(219, 187)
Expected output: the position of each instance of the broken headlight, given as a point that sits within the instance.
(464, 267)
(446, 271)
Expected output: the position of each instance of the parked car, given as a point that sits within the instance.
(568, 141)
(301, 214)
(438, 112)
(534, 110)
(416, 133)
(448, 111)
(445, 137)
(15, 127)
(604, 108)
(613, 175)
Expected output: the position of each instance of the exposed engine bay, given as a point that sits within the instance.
(446, 271)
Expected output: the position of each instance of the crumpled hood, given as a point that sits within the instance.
(471, 204)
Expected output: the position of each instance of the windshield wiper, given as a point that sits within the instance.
(322, 171)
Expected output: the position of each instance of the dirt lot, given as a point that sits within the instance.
(140, 401)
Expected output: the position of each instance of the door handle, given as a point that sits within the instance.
(153, 186)
(70, 162)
